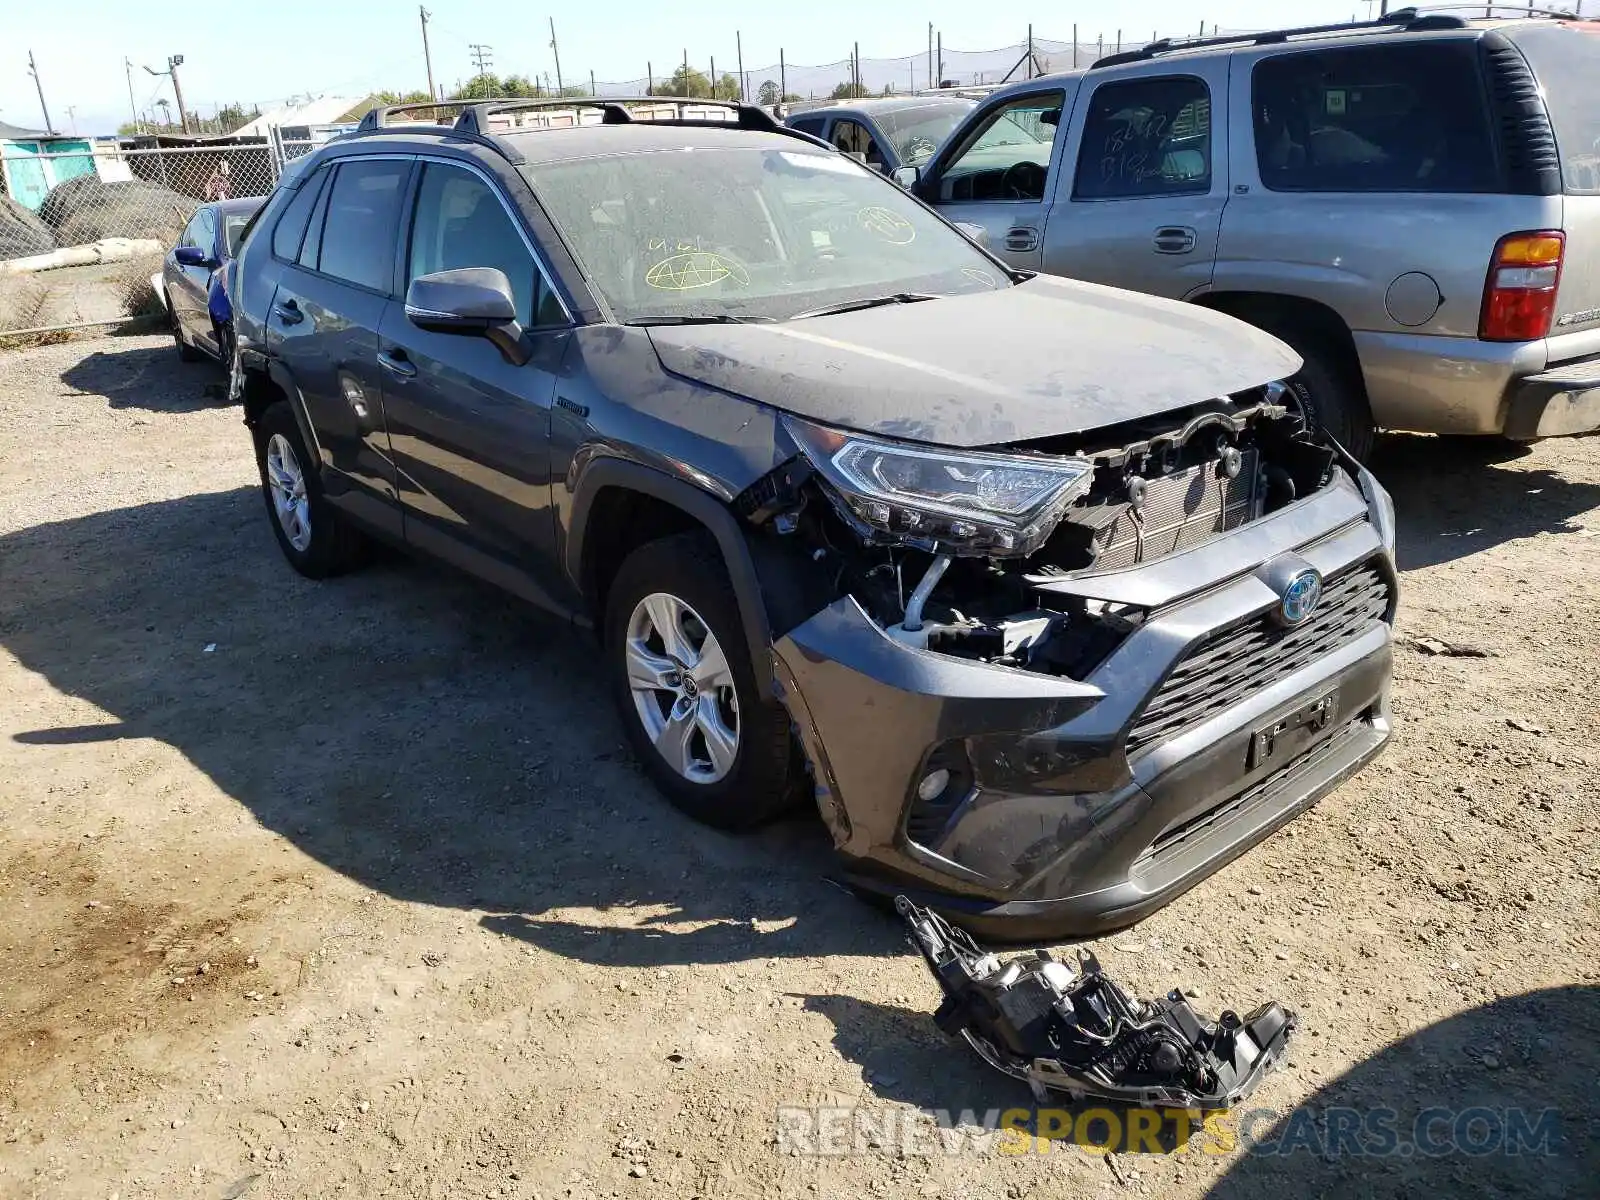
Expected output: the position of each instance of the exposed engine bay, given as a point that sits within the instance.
(1143, 490)
(1075, 1031)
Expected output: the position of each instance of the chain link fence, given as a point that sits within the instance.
(81, 233)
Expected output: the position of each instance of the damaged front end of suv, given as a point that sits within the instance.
(1047, 685)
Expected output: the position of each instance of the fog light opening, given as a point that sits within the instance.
(933, 785)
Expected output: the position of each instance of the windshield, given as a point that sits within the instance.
(918, 130)
(754, 233)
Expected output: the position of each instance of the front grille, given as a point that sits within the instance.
(1179, 511)
(1234, 664)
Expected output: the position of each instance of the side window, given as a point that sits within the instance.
(1009, 157)
(1146, 137)
(461, 222)
(311, 248)
(1373, 119)
(358, 233)
(291, 227)
(199, 231)
(811, 125)
(854, 138)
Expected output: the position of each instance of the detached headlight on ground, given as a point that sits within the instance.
(968, 502)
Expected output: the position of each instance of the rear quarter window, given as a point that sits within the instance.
(1374, 118)
(1565, 59)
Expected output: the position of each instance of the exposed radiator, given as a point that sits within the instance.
(1180, 510)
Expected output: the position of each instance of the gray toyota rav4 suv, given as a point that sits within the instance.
(1045, 591)
(1412, 203)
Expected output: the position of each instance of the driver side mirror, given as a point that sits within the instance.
(907, 177)
(974, 233)
(476, 301)
(193, 256)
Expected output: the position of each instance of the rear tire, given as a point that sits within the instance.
(680, 695)
(1332, 399)
(313, 535)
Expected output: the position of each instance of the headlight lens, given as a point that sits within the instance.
(969, 502)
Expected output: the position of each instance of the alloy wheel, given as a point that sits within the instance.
(683, 689)
(287, 484)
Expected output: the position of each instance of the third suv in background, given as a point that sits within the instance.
(1412, 203)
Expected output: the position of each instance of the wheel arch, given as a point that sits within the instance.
(618, 506)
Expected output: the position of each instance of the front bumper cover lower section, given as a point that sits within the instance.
(1056, 830)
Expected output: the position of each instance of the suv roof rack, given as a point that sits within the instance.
(382, 118)
(1404, 19)
(475, 118)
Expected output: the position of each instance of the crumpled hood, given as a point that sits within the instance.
(1048, 357)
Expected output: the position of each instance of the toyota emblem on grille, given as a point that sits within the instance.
(1300, 596)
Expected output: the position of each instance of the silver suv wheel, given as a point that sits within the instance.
(683, 689)
(287, 483)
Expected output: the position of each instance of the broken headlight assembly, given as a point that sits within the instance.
(967, 502)
(1072, 1030)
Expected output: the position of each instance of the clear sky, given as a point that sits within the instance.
(264, 53)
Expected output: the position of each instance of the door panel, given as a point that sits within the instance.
(186, 286)
(1142, 206)
(470, 431)
(1001, 172)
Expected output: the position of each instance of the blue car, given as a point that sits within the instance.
(193, 279)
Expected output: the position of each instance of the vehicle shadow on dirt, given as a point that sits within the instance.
(416, 732)
(149, 378)
(1495, 1101)
(1456, 496)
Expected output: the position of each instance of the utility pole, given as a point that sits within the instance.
(713, 77)
(175, 61)
(1030, 50)
(127, 69)
(482, 56)
(738, 46)
(649, 78)
(593, 91)
(43, 107)
(427, 55)
(932, 82)
(72, 119)
(554, 50)
(938, 81)
(686, 73)
(783, 76)
(1074, 45)
(857, 61)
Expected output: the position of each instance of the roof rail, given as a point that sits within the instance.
(379, 118)
(475, 119)
(501, 147)
(1400, 19)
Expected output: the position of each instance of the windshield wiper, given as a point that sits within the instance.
(844, 306)
(695, 319)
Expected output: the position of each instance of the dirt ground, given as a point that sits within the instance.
(351, 888)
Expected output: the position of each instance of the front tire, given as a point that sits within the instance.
(313, 535)
(186, 352)
(679, 669)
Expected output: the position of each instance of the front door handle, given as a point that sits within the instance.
(1175, 239)
(288, 312)
(1022, 239)
(396, 363)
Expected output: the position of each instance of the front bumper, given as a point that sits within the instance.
(1052, 827)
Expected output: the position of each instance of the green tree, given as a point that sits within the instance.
(728, 87)
(685, 81)
(848, 91)
(768, 92)
(415, 96)
(486, 86)
(520, 87)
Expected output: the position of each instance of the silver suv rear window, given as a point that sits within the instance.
(1566, 61)
(1374, 118)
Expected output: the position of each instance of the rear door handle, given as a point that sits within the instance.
(1022, 239)
(1175, 239)
(288, 312)
(396, 363)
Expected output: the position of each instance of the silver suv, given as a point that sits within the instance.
(1412, 203)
